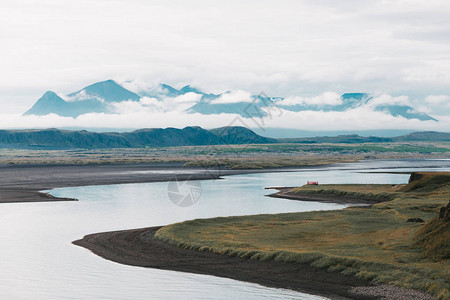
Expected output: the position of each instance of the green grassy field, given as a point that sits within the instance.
(181, 156)
(376, 243)
(252, 156)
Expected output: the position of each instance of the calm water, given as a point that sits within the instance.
(38, 260)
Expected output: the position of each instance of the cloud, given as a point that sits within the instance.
(438, 99)
(361, 118)
(187, 98)
(139, 85)
(145, 104)
(80, 96)
(233, 97)
(434, 105)
(153, 105)
(425, 109)
(288, 48)
(389, 100)
(152, 113)
(327, 98)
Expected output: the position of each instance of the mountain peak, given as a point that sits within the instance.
(49, 94)
(170, 91)
(50, 102)
(356, 96)
(189, 89)
(50, 97)
(103, 85)
(108, 90)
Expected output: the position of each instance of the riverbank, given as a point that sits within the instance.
(351, 194)
(24, 183)
(26, 172)
(139, 248)
(372, 245)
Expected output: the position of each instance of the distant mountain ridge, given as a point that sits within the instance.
(154, 137)
(421, 136)
(101, 97)
(170, 137)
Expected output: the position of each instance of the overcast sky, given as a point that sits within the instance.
(286, 48)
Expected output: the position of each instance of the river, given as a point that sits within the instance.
(38, 260)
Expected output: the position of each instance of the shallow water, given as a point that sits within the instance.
(39, 261)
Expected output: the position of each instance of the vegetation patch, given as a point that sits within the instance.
(374, 243)
(434, 237)
(378, 192)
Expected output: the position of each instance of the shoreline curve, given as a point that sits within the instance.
(136, 247)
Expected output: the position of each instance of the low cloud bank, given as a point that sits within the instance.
(166, 111)
(233, 97)
(327, 98)
(134, 117)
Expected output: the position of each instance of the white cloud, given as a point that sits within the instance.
(187, 98)
(147, 101)
(425, 109)
(145, 104)
(233, 97)
(152, 113)
(138, 85)
(327, 98)
(287, 48)
(153, 105)
(389, 100)
(80, 96)
(180, 103)
(438, 99)
(434, 105)
(361, 118)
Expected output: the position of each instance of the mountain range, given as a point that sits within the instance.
(153, 137)
(188, 136)
(101, 97)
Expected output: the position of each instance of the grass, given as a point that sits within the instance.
(434, 239)
(238, 163)
(375, 243)
(381, 192)
(251, 156)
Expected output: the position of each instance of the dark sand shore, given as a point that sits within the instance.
(23, 183)
(138, 248)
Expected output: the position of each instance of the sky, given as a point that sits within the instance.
(301, 48)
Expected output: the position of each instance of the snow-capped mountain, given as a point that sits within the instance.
(104, 97)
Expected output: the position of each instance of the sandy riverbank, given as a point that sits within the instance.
(23, 183)
(138, 248)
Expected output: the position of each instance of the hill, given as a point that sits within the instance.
(154, 137)
(171, 137)
(421, 136)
